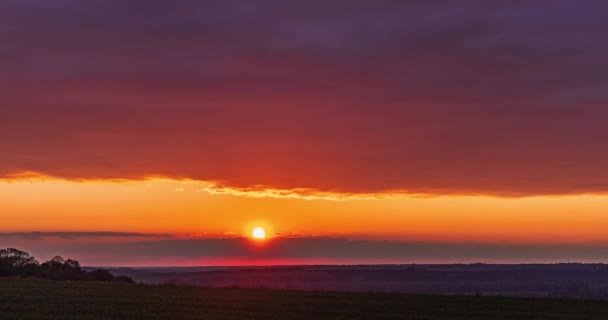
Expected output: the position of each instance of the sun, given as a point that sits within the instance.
(258, 233)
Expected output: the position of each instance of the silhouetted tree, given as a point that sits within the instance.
(14, 262)
(57, 260)
(73, 264)
(61, 269)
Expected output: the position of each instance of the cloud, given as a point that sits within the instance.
(338, 97)
(364, 250)
(39, 235)
(235, 250)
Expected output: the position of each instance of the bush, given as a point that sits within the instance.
(100, 275)
(123, 279)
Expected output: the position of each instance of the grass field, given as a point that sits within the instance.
(37, 299)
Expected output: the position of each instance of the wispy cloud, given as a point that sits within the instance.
(38, 235)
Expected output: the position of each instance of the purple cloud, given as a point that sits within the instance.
(347, 96)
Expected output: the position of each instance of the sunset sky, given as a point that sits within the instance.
(149, 133)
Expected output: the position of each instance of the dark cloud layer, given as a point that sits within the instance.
(155, 251)
(479, 96)
(360, 250)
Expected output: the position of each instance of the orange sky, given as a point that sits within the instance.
(188, 208)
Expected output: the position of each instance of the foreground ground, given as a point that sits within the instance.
(36, 299)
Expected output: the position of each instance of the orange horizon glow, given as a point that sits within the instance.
(187, 208)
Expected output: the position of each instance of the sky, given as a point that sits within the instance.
(162, 132)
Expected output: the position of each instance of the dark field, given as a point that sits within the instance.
(36, 299)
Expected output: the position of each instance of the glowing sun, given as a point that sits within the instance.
(258, 233)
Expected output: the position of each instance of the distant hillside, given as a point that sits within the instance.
(583, 281)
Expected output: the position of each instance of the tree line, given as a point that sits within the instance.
(17, 263)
